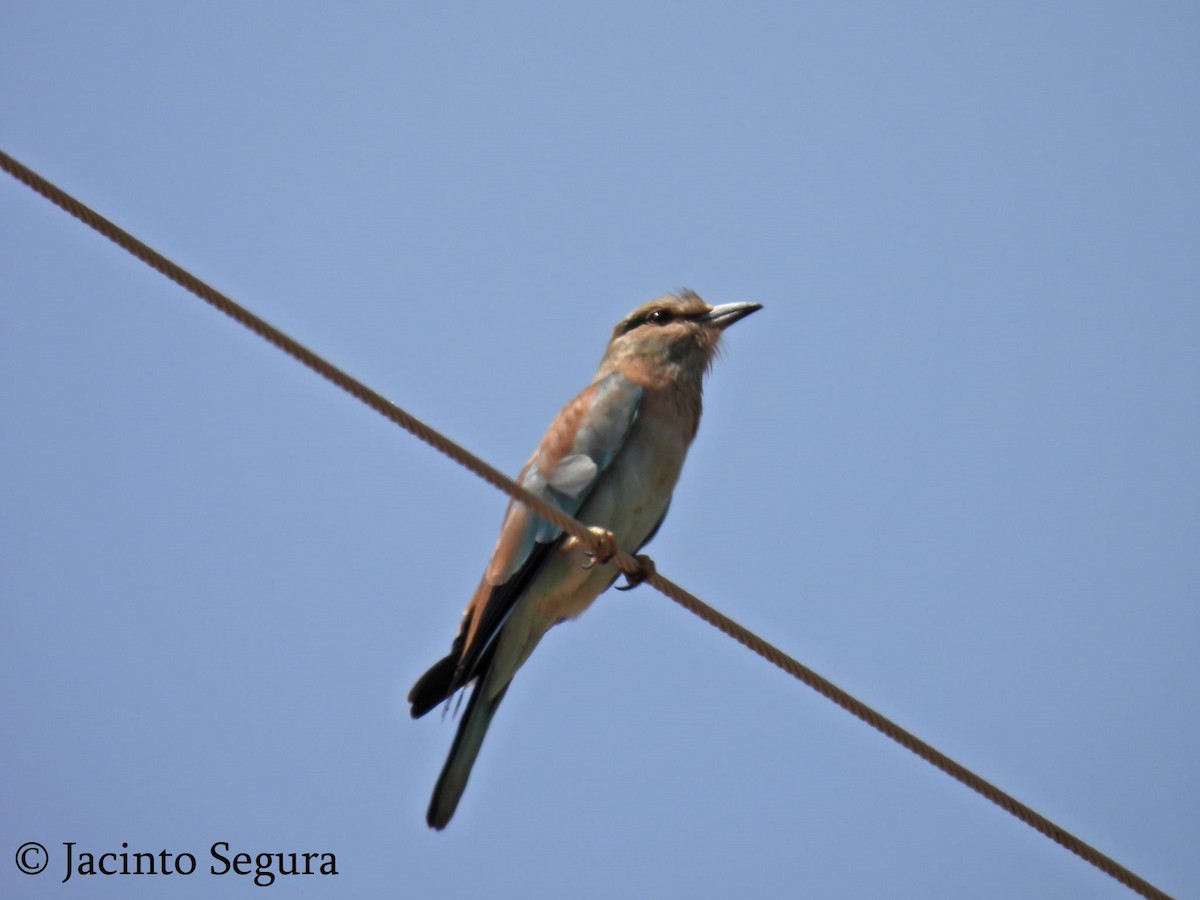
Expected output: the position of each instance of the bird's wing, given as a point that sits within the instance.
(580, 444)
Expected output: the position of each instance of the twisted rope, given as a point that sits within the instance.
(637, 569)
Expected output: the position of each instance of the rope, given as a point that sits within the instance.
(635, 569)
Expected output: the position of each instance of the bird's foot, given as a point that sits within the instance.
(645, 570)
(606, 547)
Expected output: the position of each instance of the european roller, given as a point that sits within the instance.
(610, 458)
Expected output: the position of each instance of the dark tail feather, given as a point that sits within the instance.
(453, 780)
(434, 686)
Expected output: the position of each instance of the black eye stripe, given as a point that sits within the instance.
(664, 317)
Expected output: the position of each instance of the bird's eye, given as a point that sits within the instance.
(659, 317)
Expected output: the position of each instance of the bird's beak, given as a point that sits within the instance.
(725, 315)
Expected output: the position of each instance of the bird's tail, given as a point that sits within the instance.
(453, 780)
(436, 685)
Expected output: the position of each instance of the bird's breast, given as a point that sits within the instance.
(629, 499)
(632, 495)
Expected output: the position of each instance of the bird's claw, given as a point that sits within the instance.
(606, 547)
(645, 570)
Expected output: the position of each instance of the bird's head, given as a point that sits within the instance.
(671, 339)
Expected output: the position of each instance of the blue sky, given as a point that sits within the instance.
(952, 465)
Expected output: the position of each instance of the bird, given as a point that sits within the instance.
(611, 458)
